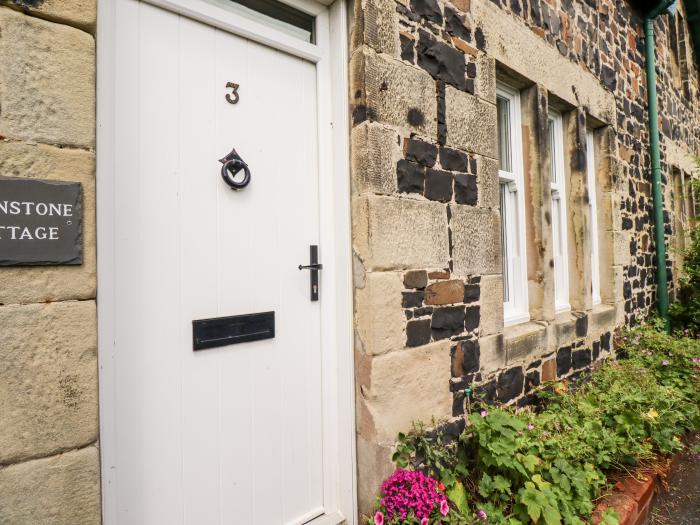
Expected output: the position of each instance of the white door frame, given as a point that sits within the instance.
(330, 57)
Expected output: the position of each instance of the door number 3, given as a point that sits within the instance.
(234, 91)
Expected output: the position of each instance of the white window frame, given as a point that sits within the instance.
(515, 302)
(560, 241)
(592, 184)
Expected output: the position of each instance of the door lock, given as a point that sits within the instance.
(314, 266)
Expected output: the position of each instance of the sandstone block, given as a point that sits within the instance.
(563, 329)
(609, 205)
(377, 26)
(48, 378)
(487, 176)
(373, 466)
(621, 248)
(471, 123)
(491, 305)
(375, 152)
(549, 370)
(391, 92)
(601, 319)
(445, 292)
(525, 340)
(59, 490)
(379, 319)
(406, 386)
(52, 283)
(476, 240)
(492, 353)
(486, 78)
(612, 279)
(392, 233)
(78, 13)
(47, 81)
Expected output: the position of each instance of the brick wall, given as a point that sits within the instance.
(49, 462)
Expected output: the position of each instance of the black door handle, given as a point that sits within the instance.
(317, 266)
(314, 266)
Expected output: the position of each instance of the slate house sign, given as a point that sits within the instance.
(40, 222)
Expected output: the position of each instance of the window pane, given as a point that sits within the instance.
(280, 16)
(503, 115)
(552, 153)
(504, 242)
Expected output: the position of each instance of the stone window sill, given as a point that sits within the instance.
(521, 340)
(534, 339)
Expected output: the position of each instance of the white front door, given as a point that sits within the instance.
(232, 434)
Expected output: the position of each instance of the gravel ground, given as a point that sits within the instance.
(680, 505)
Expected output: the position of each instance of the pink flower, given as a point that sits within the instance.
(696, 359)
(530, 426)
(484, 413)
(545, 434)
(482, 515)
(664, 362)
(444, 507)
(378, 518)
(406, 493)
(424, 521)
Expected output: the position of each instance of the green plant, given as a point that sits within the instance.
(685, 314)
(518, 467)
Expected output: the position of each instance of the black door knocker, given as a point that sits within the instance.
(232, 164)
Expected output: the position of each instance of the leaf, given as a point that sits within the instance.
(458, 495)
(530, 462)
(541, 484)
(501, 484)
(531, 498)
(551, 515)
(486, 485)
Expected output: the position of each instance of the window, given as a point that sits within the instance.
(559, 217)
(593, 208)
(510, 173)
(279, 15)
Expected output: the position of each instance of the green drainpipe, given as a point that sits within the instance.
(657, 188)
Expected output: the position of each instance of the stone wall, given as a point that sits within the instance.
(426, 219)
(49, 461)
